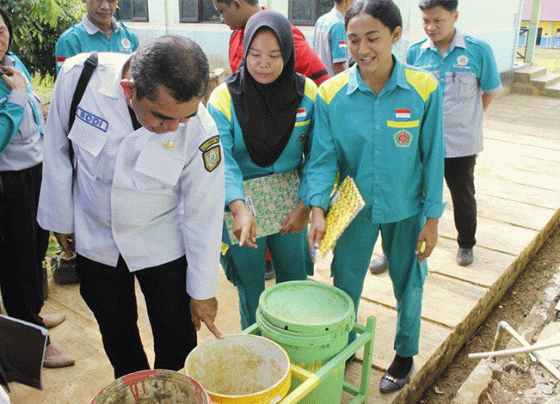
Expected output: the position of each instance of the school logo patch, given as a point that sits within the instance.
(125, 43)
(462, 60)
(211, 153)
(403, 138)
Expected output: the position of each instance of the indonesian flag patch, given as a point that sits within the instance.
(60, 61)
(342, 44)
(402, 113)
(301, 113)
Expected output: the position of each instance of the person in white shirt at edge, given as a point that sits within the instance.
(143, 196)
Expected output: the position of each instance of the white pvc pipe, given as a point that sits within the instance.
(513, 351)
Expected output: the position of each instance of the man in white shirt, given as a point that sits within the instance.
(143, 196)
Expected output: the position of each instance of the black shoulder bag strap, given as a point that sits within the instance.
(89, 67)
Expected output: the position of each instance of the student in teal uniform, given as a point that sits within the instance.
(264, 113)
(98, 31)
(380, 122)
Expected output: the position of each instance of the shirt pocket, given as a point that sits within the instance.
(466, 84)
(157, 169)
(90, 140)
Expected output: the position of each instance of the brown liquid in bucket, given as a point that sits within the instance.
(240, 366)
(153, 387)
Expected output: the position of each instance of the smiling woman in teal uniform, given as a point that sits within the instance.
(264, 113)
(380, 122)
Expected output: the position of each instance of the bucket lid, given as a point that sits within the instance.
(307, 307)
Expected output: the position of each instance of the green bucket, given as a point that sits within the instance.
(312, 322)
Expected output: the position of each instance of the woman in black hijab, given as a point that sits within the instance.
(264, 113)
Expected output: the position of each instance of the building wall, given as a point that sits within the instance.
(501, 33)
(550, 37)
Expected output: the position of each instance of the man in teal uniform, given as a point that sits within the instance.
(467, 73)
(98, 31)
(329, 38)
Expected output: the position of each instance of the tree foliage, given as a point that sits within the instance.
(37, 26)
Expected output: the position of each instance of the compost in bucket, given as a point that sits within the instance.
(241, 369)
(153, 387)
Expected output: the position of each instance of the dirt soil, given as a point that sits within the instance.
(513, 308)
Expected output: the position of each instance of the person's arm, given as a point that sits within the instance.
(338, 46)
(432, 149)
(339, 67)
(307, 61)
(487, 99)
(320, 172)
(489, 77)
(202, 190)
(11, 111)
(221, 110)
(298, 218)
(56, 202)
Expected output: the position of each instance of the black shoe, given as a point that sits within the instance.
(269, 271)
(64, 270)
(465, 256)
(388, 383)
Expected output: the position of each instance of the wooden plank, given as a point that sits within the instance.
(486, 268)
(521, 144)
(512, 164)
(517, 192)
(491, 233)
(379, 289)
(431, 337)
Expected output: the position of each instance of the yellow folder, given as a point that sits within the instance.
(346, 203)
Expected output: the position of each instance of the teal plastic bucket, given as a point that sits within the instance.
(311, 321)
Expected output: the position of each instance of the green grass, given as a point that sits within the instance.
(549, 58)
(43, 88)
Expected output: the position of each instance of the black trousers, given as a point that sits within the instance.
(109, 292)
(459, 176)
(23, 246)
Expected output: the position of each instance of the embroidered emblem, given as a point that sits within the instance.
(169, 145)
(403, 138)
(402, 113)
(212, 158)
(92, 120)
(211, 153)
(209, 143)
(301, 113)
(125, 43)
(462, 60)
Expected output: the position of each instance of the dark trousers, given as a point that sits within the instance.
(459, 176)
(109, 292)
(24, 244)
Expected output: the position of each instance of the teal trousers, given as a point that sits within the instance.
(352, 255)
(245, 267)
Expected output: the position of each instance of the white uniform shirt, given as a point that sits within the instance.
(148, 197)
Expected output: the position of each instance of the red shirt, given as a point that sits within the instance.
(307, 61)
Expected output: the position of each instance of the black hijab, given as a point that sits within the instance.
(267, 112)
